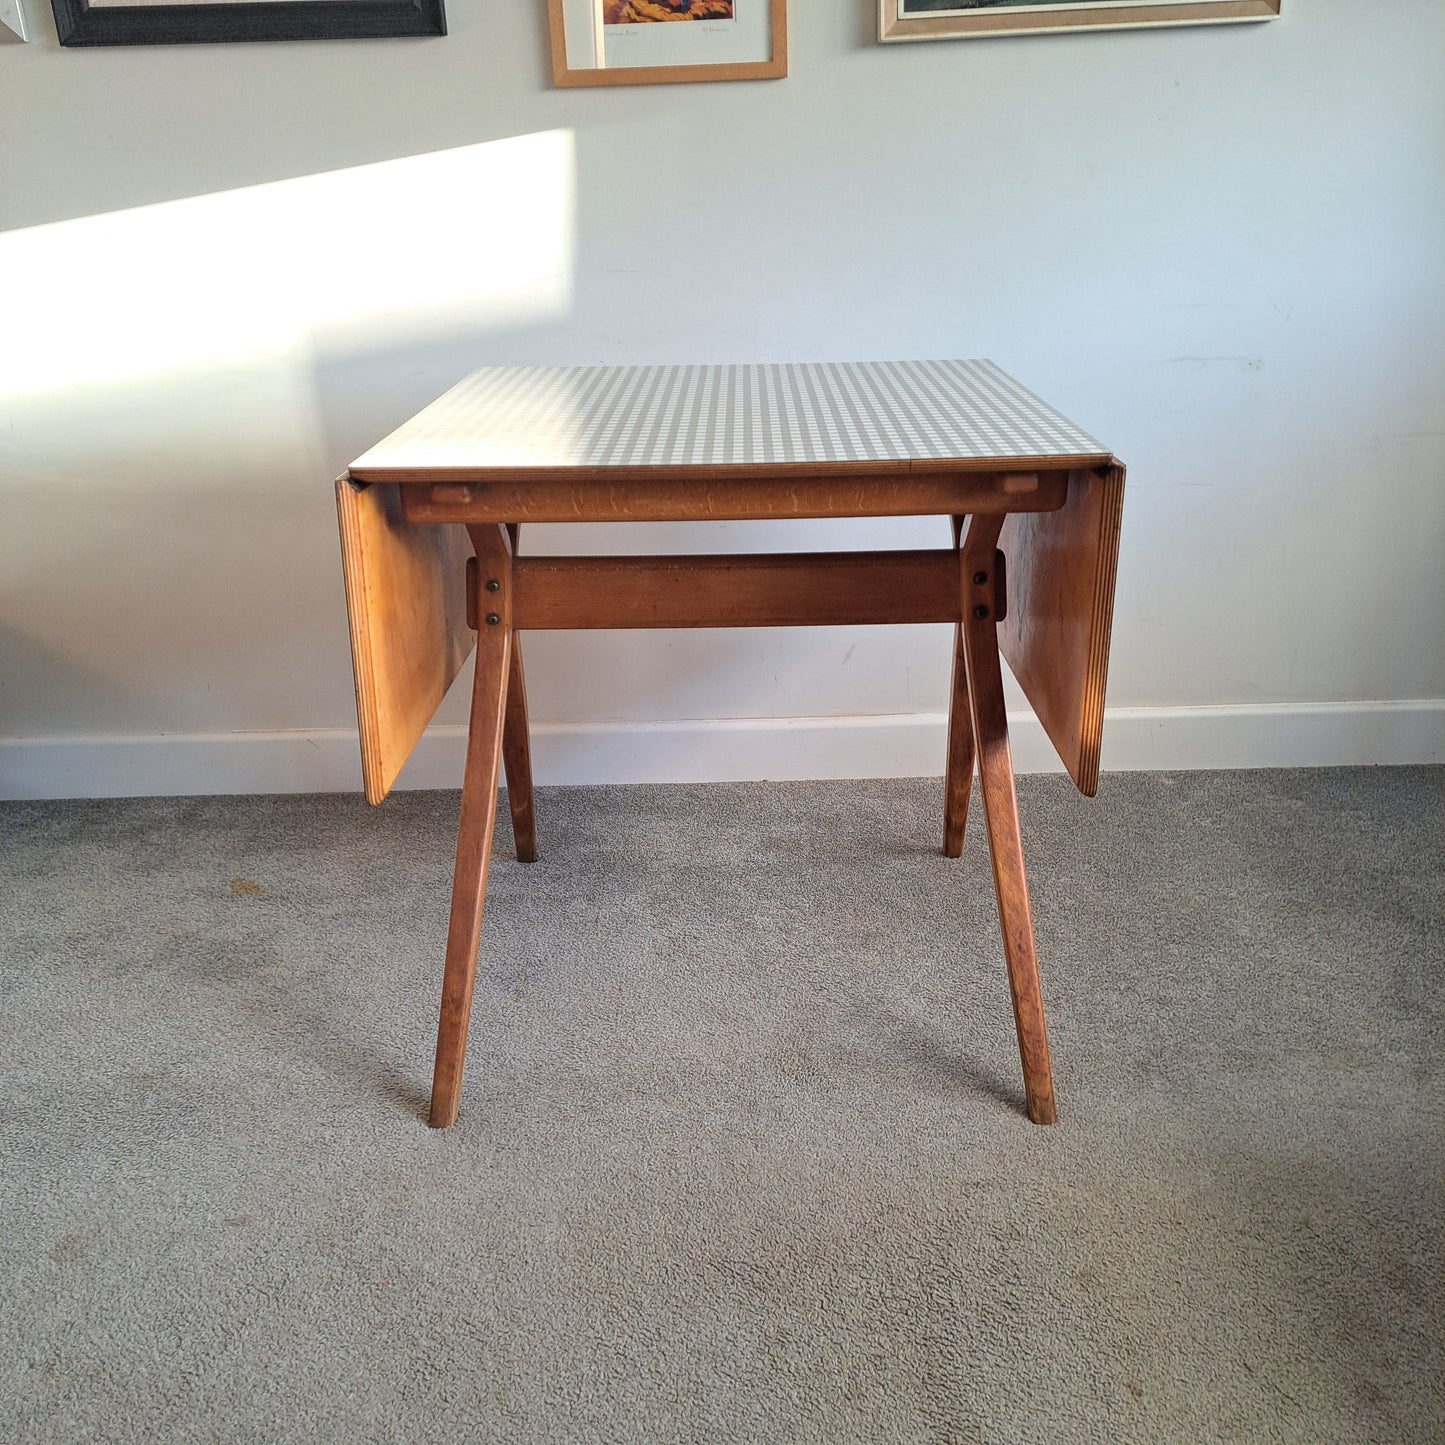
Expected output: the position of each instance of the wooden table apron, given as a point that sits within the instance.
(430, 524)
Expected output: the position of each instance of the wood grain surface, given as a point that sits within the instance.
(1062, 568)
(959, 756)
(1001, 811)
(809, 589)
(406, 605)
(517, 737)
(734, 493)
(477, 819)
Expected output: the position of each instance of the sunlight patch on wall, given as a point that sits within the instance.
(393, 253)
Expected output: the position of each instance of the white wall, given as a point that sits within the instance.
(228, 269)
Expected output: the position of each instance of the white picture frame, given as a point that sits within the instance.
(979, 19)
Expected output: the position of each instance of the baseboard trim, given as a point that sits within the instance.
(1282, 735)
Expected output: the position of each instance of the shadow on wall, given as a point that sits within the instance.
(119, 127)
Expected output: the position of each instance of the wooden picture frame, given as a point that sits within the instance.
(750, 42)
(954, 19)
(104, 22)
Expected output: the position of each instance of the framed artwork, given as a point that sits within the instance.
(189, 22)
(946, 19)
(657, 42)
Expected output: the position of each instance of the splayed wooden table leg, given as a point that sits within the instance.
(517, 746)
(478, 815)
(958, 765)
(982, 601)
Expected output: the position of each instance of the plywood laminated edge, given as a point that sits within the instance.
(366, 703)
(1102, 612)
(471, 474)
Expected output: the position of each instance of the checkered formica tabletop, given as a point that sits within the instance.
(557, 419)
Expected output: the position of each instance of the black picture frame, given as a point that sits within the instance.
(80, 23)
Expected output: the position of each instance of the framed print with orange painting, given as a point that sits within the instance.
(656, 42)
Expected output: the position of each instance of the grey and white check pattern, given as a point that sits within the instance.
(682, 416)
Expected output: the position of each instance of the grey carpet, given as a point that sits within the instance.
(741, 1155)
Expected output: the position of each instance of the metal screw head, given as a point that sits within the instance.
(979, 578)
(493, 585)
(980, 612)
(492, 619)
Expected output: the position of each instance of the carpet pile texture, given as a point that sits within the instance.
(741, 1154)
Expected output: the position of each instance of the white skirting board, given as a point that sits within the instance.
(904, 745)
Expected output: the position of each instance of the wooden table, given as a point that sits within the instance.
(431, 517)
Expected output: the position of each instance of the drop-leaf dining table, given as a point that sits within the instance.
(431, 518)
